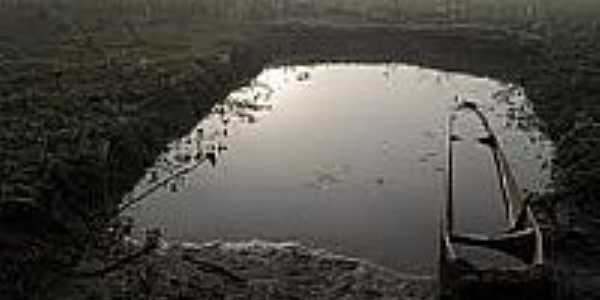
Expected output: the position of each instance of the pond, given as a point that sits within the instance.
(348, 157)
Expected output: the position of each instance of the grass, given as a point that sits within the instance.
(84, 91)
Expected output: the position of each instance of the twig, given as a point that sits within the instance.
(214, 268)
(149, 191)
(117, 264)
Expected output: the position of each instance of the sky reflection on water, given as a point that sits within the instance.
(347, 157)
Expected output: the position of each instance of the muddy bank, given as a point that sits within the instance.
(251, 270)
(475, 50)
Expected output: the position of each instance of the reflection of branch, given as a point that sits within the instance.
(265, 86)
(253, 103)
(149, 191)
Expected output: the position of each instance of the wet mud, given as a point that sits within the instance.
(251, 270)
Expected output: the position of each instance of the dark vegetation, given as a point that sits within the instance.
(91, 91)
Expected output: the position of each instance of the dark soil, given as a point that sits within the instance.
(254, 270)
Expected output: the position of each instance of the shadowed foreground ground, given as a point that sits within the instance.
(253, 270)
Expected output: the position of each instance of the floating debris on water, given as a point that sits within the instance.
(303, 76)
(329, 176)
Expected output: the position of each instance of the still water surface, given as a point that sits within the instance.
(346, 157)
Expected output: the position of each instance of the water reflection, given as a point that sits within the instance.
(208, 140)
(347, 157)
